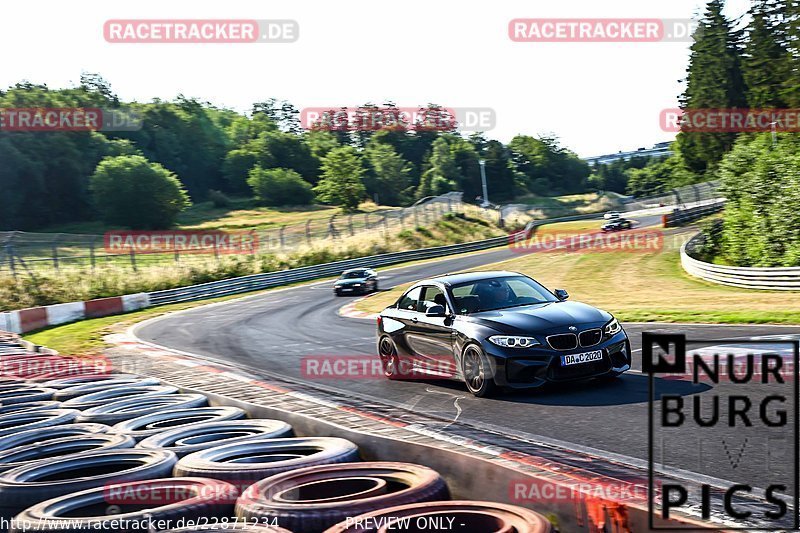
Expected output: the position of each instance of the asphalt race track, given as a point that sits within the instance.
(276, 330)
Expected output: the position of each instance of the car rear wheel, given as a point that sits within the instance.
(389, 358)
(477, 371)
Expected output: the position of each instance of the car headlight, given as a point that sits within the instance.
(513, 341)
(612, 328)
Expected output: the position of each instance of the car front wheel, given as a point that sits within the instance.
(477, 371)
(389, 358)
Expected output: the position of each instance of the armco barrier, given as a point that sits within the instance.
(680, 216)
(774, 279)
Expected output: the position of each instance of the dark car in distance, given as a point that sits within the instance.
(356, 281)
(617, 224)
(498, 329)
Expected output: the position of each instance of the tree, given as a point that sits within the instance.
(341, 179)
(714, 80)
(389, 174)
(443, 173)
(765, 61)
(279, 186)
(131, 191)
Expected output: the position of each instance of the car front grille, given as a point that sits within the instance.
(563, 341)
(591, 337)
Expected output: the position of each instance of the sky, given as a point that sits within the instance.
(596, 97)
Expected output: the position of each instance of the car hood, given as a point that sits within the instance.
(545, 318)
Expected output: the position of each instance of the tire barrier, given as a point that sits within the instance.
(319, 497)
(45, 434)
(27, 485)
(78, 390)
(468, 515)
(139, 504)
(63, 447)
(103, 397)
(145, 426)
(251, 461)
(29, 406)
(26, 395)
(116, 412)
(16, 422)
(196, 437)
(63, 383)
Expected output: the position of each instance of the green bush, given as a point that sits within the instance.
(133, 192)
(279, 186)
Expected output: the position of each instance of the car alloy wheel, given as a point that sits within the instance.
(389, 359)
(476, 371)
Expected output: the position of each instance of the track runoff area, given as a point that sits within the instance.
(715, 429)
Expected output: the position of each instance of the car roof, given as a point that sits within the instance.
(466, 277)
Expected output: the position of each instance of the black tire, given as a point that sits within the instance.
(173, 501)
(390, 359)
(63, 447)
(63, 383)
(316, 498)
(26, 394)
(119, 411)
(466, 515)
(477, 371)
(194, 438)
(375, 288)
(103, 397)
(45, 434)
(30, 406)
(68, 393)
(22, 421)
(145, 426)
(27, 485)
(337, 293)
(237, 462)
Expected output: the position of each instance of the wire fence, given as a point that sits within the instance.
(28, 253)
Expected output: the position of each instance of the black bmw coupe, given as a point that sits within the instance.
(498, 329)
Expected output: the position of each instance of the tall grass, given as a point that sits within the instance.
(51, 286)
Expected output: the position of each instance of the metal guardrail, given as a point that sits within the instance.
(764, 278)
(284, 277)
(680, 217)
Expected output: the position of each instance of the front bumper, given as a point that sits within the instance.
(537, 367)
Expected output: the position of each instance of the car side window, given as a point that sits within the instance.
(430, 297)
(410, 300)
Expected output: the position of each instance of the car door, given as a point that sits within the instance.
(431, 338)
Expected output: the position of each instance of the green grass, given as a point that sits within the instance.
(642, 287)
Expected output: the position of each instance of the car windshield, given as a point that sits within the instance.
(498, 293)
(355, 274)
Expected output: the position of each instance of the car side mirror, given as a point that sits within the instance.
(436, 310)
(561, 294)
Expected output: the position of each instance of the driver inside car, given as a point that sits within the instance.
(494, 294)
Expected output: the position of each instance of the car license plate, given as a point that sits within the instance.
(577, 358)
(345, 290)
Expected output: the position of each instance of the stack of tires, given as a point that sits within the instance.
(127, 453)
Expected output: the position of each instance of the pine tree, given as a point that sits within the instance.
(714, 80)
(765, 61)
